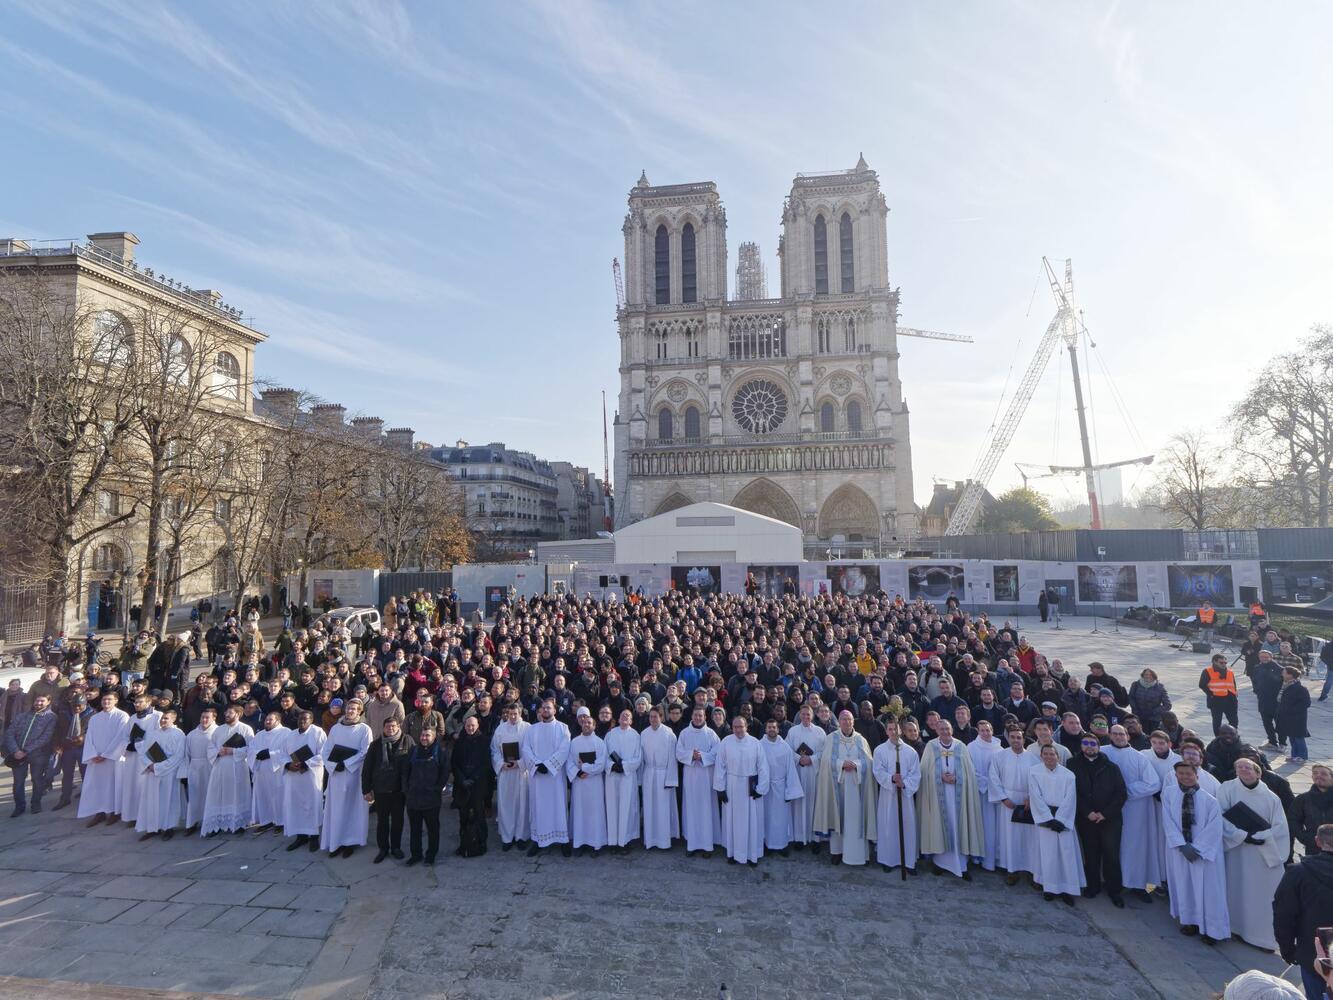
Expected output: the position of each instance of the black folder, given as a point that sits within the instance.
(340, 753)
(588, 757)
(510, 751)
(302, 753)
(1244, 818)
(236, 741)
(1021, 814)
(156, 754)
(804, 751)
(262, 755)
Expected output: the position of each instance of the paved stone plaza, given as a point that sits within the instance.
(241, 915)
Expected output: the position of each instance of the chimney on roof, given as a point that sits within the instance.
(400, 438)
(283, 401)
(213, 296)
(461, 443)
(328, 414)
(370, 428)
(120, 244)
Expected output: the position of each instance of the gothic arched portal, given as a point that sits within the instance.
(673, 502)
(848, 512)
(763, 496)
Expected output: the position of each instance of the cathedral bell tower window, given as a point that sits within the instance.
(845, 252)
(688, 269)
(821, 256)
(662, 265)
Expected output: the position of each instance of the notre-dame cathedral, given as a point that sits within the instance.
(791, 406)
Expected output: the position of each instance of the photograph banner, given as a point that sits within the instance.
(1005, 579)
(1107, 583)
(854, 581)
(774, 581)
(935, 581)
(1307, 583)
(1191, 584)
(696, 579)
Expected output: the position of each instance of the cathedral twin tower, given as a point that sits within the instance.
(790, 407)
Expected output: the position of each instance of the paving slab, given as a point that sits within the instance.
(293, 923)
(141, 887)
(235, 918)
(225, 891)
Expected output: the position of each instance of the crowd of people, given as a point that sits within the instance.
(866, 730)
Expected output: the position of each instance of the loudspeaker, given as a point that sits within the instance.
(1201, 647)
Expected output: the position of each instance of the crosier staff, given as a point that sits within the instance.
(898, 781)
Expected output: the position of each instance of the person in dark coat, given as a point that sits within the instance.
(382, 785)
(1314, 808)
(1302, 904)
(1043, 605)
(1100, 790)
(1293, 709)
(472, 774)
(423, 791)
(1148, 699)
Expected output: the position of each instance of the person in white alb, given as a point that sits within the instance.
(897, 771)
(303, 783)
(103, 750)
(658, 775)
(511, 779)
(161, 808)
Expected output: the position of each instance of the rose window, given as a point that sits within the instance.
(759, 406)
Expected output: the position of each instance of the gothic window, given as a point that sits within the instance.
(849, 334)
(227, 375)
(663, 345)
(826, 417)
(845, 251)
(107, 558)
(662, 265)
(821, 256)
(688, 275)
(664, 424)
(853, 416)
(692, 422)
(759, 406)
(757, 337)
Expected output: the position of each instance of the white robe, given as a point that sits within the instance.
(888, 759)
(739, 759)
(266, 775)
(198, 768)
(954, 861)
(700, 823)
(547, 743)
(1198, 888)
(622, 790)
(803, 809)
(106, 736)
(784, 788)
(1139, 863)
(1253, 870)
(511, 784)
(659, 778)
(587, 794)
(160, 802)
(1164, 768)
(1058, 858)
(1008, 779)
(227, 806)
(130, 780)
(303, 791)
(982, 755)
(1061, 751)
(346, 814)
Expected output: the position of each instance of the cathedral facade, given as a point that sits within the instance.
(791, 406)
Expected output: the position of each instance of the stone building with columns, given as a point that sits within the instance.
(790, 407)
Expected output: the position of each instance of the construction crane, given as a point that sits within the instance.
(1066, 326)
(909, 331)
(620, 283)
(1067, 470)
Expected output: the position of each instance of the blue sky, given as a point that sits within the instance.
(419, 202)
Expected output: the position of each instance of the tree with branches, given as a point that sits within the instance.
(69, 399)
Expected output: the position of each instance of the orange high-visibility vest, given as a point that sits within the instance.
(1257, 610)
(1220, 687)
(1207, 616)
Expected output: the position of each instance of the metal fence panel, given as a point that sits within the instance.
(398, 584)
(22, 614)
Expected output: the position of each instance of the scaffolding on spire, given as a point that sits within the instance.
(751, 279)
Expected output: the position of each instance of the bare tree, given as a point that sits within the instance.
(179, 432)
(1192, 489)
(416, 511)
(68, 401)
(1284, 429)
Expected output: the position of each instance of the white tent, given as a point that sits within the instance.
(709, 533)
